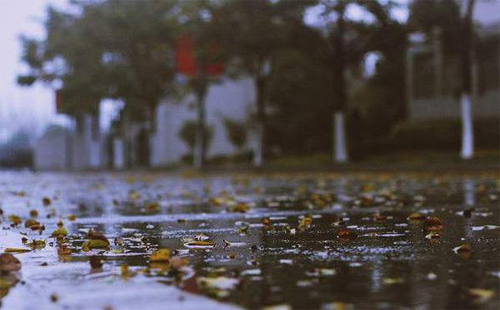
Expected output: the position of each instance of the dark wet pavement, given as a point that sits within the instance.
(273, 241)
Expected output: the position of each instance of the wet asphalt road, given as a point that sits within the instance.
(270, 241)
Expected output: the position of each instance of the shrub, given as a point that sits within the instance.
(188, 134)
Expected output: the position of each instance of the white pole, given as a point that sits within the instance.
(340, 140)
(467, 130)
(259, 145)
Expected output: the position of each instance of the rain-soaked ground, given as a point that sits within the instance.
(295, 241)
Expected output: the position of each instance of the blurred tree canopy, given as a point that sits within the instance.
(125, 50)
(444, 15)
(110, 49)
(305, 89)
(253, 34)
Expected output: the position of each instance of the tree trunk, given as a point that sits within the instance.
(95, 141)
(340, 87)
(125, 126)
(339, 140)
(467, 151)
(200, 144)
(261, 126)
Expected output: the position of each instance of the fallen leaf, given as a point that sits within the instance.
(337, 305)
(346, 234)
(36, 244)
(433, 223)
(416, 217)
(46, 201)
(94, 244)
(239, 207)
(14, 220)
(464, 248)
(16, 250)
(160, 256)
(390, 281)
(305, 222)
(9, 263)
(481, 295)
(199, 244)
(33, 213)
(59, 232)
(379, 218)
(63, 251)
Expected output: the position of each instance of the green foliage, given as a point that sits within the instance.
(115, 49)
(252, 31)
(188, 134)
(302, 84)
(300, 94)
(444, 15)
(138, 39)
(236, 132)
(26, 80)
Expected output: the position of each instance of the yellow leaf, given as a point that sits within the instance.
(481, 295)
(60, 232)
(94, 244)
(161, 255)
(16, 250)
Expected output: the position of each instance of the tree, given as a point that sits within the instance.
(251, 33)
(138, 38)
(382, 98)
(346, 46)
(457, 36)
(111, 49)
(299, 95)
(200, 35)
(64, 58)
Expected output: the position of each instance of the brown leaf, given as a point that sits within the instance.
(433, 223)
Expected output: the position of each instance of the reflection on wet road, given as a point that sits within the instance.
(308, 241)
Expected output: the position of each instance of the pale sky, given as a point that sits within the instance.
(28, 107)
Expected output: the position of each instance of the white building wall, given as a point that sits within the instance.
(87, 151)
(50, 151)
(57, 150)
(232, 99)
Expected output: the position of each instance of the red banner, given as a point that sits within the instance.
(186, 62)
